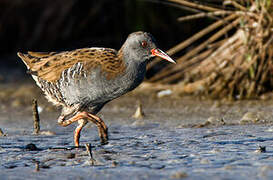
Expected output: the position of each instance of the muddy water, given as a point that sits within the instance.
(177, 138)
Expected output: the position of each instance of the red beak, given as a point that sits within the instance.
(159, 53)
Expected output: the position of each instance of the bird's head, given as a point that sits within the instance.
(141, 46)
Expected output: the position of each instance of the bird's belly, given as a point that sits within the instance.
(96, 89)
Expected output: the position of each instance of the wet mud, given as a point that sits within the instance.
(177, 138)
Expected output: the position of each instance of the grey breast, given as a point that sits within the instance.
(94, 89)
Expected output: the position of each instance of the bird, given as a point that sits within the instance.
(83, 80)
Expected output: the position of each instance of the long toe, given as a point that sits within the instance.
(103, 141)
(104, 137)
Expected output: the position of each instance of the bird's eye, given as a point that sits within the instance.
(144, 44)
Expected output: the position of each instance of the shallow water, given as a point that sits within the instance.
(165, 144)
(149, 151)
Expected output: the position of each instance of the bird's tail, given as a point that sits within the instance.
(26, 58)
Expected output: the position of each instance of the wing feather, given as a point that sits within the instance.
(49, 66)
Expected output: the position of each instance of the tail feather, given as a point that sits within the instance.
(30, 61)
(25, 58)
(40, 54)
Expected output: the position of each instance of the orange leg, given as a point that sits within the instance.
(102, 128)
(77, 132)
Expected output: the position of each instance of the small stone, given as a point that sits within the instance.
(215, 150)
(70, 163)
(44, 166)
(204, 161)
(70, 155)
(216, 121)
(31, 147)
(201, 125)
(228, 167)
(211, 121)
(262, 149)
(179, 175)
(10, 166)
(88, 163)
(132, 162)
(47, 133)
(249, 117)
(114, 163)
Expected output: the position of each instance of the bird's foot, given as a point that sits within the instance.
(103, 136)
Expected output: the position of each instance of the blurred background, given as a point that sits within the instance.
(31, 25)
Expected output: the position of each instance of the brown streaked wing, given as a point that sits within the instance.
(110, 61)
(49, 66)
(41, 54)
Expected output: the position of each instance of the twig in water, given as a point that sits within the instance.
(89, 152)
(2, 133)
(139, 114)
(37, 166)
(36, 119)
(262, 149)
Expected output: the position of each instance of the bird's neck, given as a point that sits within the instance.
(132, 61)
(129, 56)
(135, 68)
